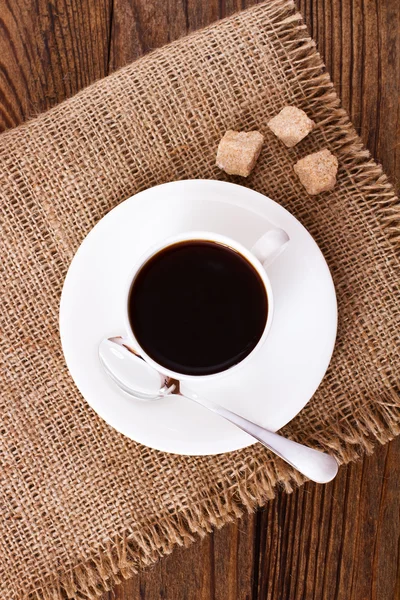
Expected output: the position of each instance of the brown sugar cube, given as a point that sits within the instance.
(317, 171)
(238, 151)
(291, 125)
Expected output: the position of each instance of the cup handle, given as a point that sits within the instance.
(270, 246)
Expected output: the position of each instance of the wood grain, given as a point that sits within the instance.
(334, 542)
(49, 51)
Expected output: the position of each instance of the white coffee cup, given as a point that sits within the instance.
(261, 255)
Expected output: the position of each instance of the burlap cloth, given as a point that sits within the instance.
(81, 505)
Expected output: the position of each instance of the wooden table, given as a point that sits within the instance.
(340, 541)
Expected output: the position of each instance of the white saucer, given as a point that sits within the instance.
(272, 388)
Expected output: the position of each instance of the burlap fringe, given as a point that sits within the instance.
(123, 556)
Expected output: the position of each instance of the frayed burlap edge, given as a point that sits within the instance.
(124, 555)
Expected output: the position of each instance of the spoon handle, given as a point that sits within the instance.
(315, 465)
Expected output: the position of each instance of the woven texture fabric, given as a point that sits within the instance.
(82, 506)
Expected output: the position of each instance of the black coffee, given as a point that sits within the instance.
(198, 307)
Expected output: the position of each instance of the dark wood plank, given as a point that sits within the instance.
(49, 51)
(338, 542)
(140, 26)
(360, 43)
